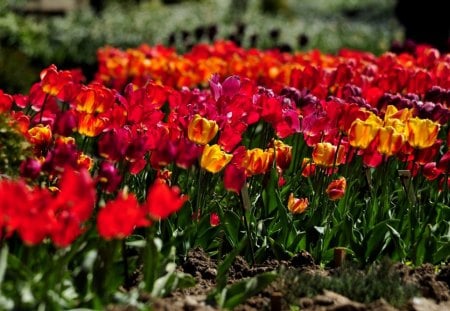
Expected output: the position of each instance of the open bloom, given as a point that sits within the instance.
(214, 159)
(297, 205)
(256, 161)
(163, 200)
(40, 135)
(118, 218)
(202, 130)
(336, 189)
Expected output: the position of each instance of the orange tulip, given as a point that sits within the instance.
(90, 125)
(324, 154)
(202, 130)
(336, 189)
(297, 205)
(40, 134)
(421, 133)
(214, 159)
(256, 161)
(390, 141)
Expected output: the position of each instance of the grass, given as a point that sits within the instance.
(378, 280)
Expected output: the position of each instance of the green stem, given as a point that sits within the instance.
(150, 260)
(126, 274)
(43, 108)
(246, 207)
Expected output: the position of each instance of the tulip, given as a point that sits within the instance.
(118, 218)
(297, 205)
(308, 167)
(6, 102)
(214, 159)
(421, 133)
(256, 161)
(214, 220)
(163, 200)
(444, 162)
(202, 130)
(324, 154)
(40, 135)
(336, 189)
(90, 125)
(234, 178)
(431, 171)
(362, 133)
(283, 154)
(389, 141)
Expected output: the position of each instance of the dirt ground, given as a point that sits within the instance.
(433, 285)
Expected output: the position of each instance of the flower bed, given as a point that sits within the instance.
(240, 152)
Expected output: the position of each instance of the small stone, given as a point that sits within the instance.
(305, 302)
(323, 300)
(425, 304)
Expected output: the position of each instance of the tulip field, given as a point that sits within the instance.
(106, 185)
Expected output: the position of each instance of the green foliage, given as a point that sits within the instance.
(72, 40)
(380, 280)
(13, 148)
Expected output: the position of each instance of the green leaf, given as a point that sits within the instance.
(270, 197)
(171, 281)
(232, 223)
(421, 249)
(3, 263)
(376, 238)
(442, 254)
(225, 265)
(238, 293)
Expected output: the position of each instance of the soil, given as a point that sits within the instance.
(433, 285)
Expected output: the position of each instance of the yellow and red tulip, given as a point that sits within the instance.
(336, 189)
(40, 134)
(421, 133)
(214, 159)
(389, 141)
(202, 130)
(362, 133)
(324, 154)
(297, 205)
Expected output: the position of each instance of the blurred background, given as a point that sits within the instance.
(37, 33)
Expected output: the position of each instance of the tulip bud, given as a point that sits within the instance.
(336, 189)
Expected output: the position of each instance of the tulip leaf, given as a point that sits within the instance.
(239, 292)
(377, 238)
(171, 280)
(3, 262)
(232, 224)
(443, 253)
(225, 265)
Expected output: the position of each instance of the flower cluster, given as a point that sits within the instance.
(353, 105)
(307, 150)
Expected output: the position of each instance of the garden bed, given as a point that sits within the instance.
(419, 288)
(272, 163)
